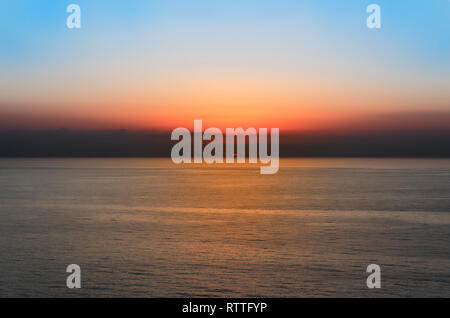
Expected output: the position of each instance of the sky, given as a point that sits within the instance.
(157, 65)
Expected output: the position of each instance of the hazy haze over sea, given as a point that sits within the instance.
(148, 228)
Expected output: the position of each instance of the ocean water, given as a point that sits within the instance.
(149, 228)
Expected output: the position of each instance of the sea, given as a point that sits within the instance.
(141, 227)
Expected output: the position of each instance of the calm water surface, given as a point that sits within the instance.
(147, 228)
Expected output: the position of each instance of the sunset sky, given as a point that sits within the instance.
(296, 65)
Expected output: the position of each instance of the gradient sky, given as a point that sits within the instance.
(296, 65)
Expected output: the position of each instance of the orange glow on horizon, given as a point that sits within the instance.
(226, 101)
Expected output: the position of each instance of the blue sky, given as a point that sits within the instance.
(413, 25)
(148, 48)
